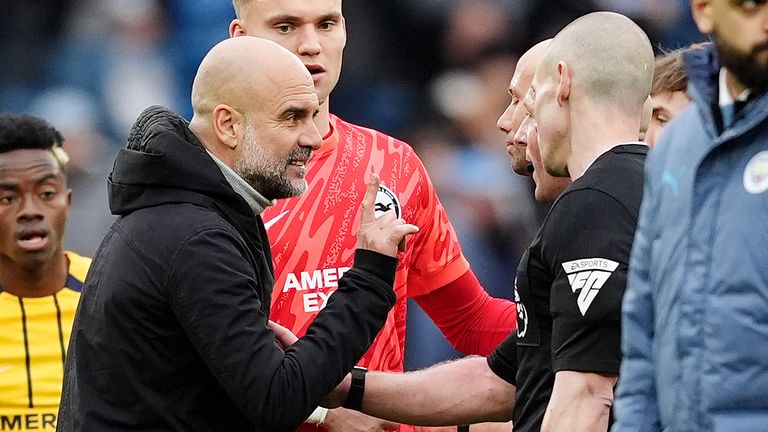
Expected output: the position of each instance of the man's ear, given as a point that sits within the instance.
(645, 117)
(701, 10)
(565, 75)
(227, 125)
(236, 28)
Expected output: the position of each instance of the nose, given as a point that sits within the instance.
(311, 138)
(29, 209)
(309, 43)
(521, 135)
(504, 122)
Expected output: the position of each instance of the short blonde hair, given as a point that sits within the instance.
(239, 5)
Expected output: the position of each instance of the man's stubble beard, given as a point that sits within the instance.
(264, 171)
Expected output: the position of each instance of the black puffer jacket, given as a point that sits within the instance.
(171, 332)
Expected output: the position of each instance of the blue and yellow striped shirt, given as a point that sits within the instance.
(34, 333)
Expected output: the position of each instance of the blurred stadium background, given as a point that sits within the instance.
(431, 72)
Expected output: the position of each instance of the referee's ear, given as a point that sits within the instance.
(565, 75)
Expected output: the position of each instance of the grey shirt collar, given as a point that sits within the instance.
(255, 200)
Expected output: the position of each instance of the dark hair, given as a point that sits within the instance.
(27, 132)
(669, 73)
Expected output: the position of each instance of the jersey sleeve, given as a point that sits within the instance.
(503, 360)
(587, 242)
(437, 259)
(471, 320)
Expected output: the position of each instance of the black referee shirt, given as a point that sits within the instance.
(570, 283)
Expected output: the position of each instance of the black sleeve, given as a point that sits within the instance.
(215, 300)
(587, 241)
(503, 359)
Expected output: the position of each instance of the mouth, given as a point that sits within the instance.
(315, 70)
(510, 147)
(32, 240)
(301, 163)
(299, 157)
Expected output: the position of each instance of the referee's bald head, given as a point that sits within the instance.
(610, 57)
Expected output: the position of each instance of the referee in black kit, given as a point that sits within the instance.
(587, 96)
(559, 371)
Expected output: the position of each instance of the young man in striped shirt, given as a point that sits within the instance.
(39, 281)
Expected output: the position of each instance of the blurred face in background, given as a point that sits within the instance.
(313, 30)
(739, 29)
(666, 105)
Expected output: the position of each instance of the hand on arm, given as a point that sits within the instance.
(283, 337)
(580, 401)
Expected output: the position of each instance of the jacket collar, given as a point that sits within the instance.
(703, 68)
(255, 200)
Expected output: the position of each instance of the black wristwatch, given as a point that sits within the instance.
(356, 389)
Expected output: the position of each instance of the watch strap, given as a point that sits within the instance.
(356, 389)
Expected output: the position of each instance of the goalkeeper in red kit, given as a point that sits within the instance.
(311, 237)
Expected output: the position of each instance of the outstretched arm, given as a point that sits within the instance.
(458, 392)
(472, 321)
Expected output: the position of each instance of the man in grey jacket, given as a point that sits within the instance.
(695, 315)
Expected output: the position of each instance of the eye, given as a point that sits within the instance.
(750, 5)
(48, 194)
(327, 25)
(661, 119)
(6, 199)
(284, 28)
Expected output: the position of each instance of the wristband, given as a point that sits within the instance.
(318, 416)
(356, 389)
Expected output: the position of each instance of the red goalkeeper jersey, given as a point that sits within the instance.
(313, 237)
